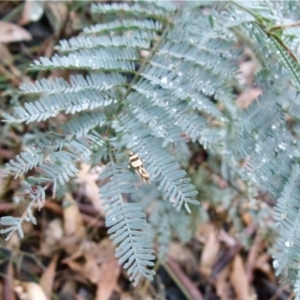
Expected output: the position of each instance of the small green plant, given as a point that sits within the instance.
(156, 77)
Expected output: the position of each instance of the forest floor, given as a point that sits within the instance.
(68, 255)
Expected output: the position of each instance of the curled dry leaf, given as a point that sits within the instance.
(73, 224)
(210, 252)
(32, 11)
(57, 12)
(239, 280)
(10, 32)
(68, 289)
(88, 269)
(109, 274)
(183, 256)
(5, 56)
(248, 69)
(53, 234)
(222, 284)
(226, 238)
(29, 291)
(126, 296)
(13, 243)
(48, 275)
(262, 263)
(89, 179)
(35, 292)
(109, 270)
(246, 98)
(97, 264)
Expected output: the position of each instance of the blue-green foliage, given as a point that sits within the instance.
(156, 77)
(128, 227)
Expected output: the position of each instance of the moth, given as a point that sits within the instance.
(137, 163)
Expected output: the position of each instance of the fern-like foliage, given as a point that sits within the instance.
(128, 227)
(269, 148)
(155, 78)
(151, 115)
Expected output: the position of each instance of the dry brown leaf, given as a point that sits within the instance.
(222, 284)
(88, 177)
(183, 256)
(239, 280)
(68, 289)
(126, 296)
(109, 274)
(97, 264)
(203, 229)
(5, 56)
(227, 238)
(210, 252)
(10, 32)
(32, 11)
(89, 269)
(105, 250)
(14, 242)
(57, 13)
(248, 69)
(35, 291)
(47, 278)
(29, 291)
(246, 98)
(53, 234)
(262, 263)
(7, 284)
(247, 218)
(81, 269)
(73, 224)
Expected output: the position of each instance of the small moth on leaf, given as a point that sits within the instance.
(137, 163)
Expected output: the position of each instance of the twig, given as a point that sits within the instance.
(284, 26)
(227, 257)
(252, 256)
(147, 282)
(88, 220)
(8, 293)
(183, 282)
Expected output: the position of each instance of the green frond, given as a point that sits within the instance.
(160, 219)
(171, 91)
(126, 223)
(141, 9)
(59, 169)
(222, 67)
(290, 197)
(124, 25)
(98, 59)
(161, 165)
(152, 116)
(164, 237)
(97, 82)
(181, 89)
(138, 40)
(202, 83)
(297, 285)
(261, 10)
(286, 256)
(285, 56)
(81, 124)
(22, 163)
(51, 105)
(181, 115)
